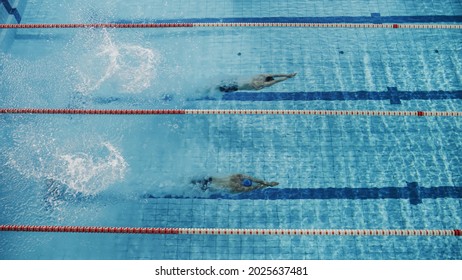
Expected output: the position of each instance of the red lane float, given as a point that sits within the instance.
(224, 24)
(91, 111)
(95, 25)
(234, 231)
(88, 229)
(225, 112)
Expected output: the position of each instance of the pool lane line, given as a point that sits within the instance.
(232, 231)
(54, 111)
(375, 18)
(232, 24)
(393, 94)
(412, 192)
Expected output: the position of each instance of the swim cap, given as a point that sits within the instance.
(247, 183)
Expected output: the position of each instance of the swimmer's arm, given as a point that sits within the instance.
(278, 78)
(275, 81)
(285, 75)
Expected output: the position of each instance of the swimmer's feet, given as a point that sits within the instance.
(204, 183)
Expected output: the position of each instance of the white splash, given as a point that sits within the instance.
(86, 169)
(89, 174)
(131, 68)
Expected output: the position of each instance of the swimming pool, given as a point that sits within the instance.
(335, 171)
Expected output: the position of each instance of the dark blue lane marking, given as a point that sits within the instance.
(393, 94)
(411, 191)
(7, 6)
(11, 10)
(374, 18)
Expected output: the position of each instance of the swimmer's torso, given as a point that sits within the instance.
(256, 83)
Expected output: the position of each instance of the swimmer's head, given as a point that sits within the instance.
(247, 183)
(269, 79)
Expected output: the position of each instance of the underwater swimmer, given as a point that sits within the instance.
(255, 83)
(236, 183)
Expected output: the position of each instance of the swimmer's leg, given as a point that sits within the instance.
(105, 100)
(148, 195)
(203, 182)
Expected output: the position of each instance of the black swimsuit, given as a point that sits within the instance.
(228, 87)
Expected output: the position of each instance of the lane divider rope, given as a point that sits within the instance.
(235, 24)
(234, 231)
(225, 112)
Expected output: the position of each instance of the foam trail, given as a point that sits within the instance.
(126, 67)
(110, 52)
(87, 169)
(88, 174)
(205, 88)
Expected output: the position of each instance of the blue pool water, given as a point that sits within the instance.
(335, 172)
